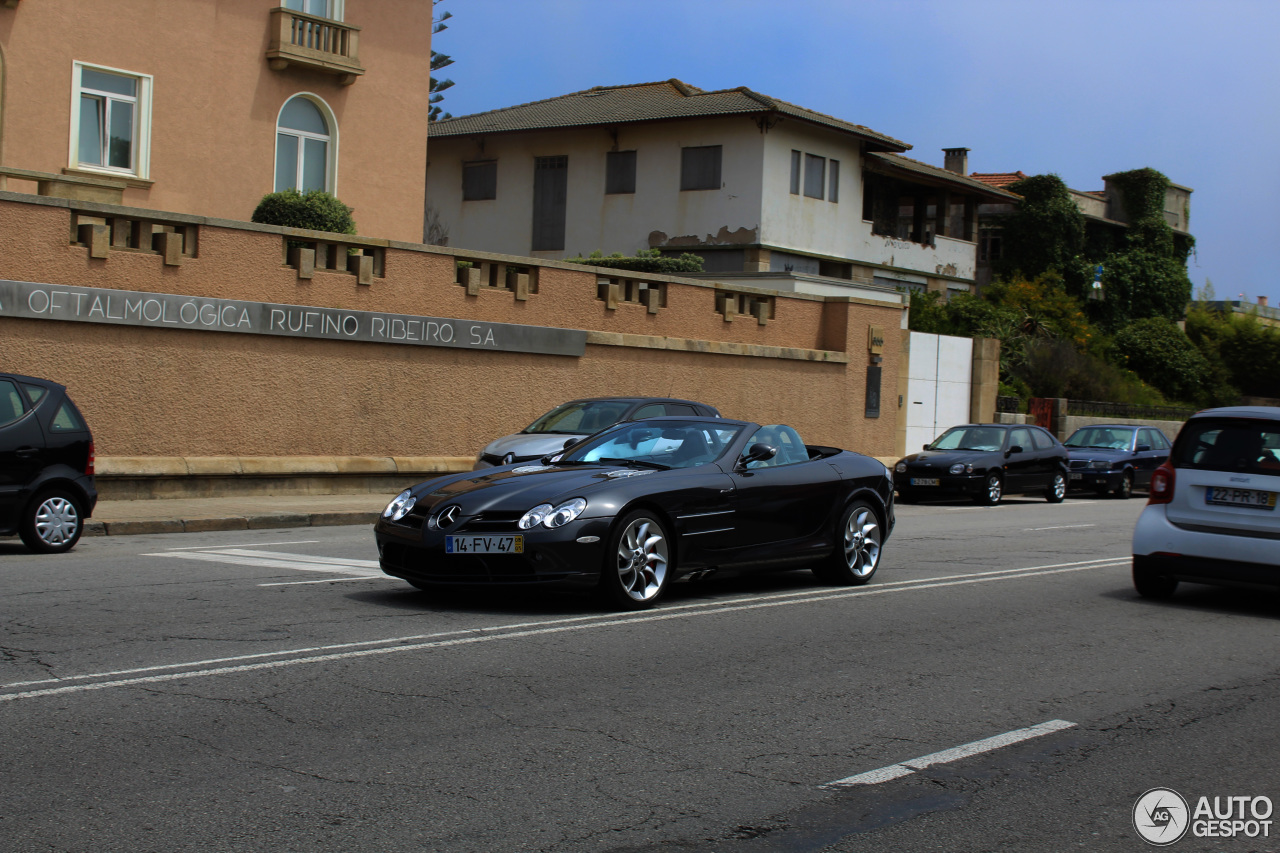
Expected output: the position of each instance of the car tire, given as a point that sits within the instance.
(639, 562)
(859, 537)
(1057, 488)
(992, 490)
(52, 522)
(1150, 585)
(1125, 489)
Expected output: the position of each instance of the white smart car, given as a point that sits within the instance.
(1212, 515)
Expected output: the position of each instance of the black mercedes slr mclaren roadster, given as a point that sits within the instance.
(642, 504)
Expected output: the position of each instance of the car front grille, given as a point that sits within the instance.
(489, 522)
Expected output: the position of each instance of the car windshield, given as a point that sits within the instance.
(581, 417)
(970, 438)
(1244, 445)
(668, 444)
(1106, 438)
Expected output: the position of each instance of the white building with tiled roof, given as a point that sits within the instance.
(769, 193)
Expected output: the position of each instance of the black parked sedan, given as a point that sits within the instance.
(47, 488)
(986, 462)
(642, 504)
(1115, 457)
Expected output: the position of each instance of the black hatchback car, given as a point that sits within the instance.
(986, 462)
(1115, 458)
(47, 489)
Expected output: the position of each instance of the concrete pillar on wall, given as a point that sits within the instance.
(985, 385)
(757, 261)
(900, 438)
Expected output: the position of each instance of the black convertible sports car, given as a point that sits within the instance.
(641, 504)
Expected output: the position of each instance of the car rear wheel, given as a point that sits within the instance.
(1057, 488)
(1125, 489)
(52, 522)
(1152, 585)
(992, 490)
(857, 554)
(638, 563)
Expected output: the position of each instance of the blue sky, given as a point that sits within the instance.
(1079, 88)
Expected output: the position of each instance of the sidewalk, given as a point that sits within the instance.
(198, 515)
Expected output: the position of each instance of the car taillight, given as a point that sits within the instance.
(88, 466)
(1162, 480)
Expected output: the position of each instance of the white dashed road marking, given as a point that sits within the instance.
(946, 756)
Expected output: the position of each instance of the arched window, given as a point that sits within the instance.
(305, 152)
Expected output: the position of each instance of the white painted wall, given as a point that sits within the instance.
(756, 194)
(595, 221)
(939, 376)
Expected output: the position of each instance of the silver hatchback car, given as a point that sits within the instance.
(1212, 515)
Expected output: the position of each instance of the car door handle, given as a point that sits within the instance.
(727, 491)
(26, 452)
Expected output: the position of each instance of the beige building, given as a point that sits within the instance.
(767, 192)
(203, 106)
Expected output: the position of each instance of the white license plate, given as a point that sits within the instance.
(484, 544)
(924, 481)
(1077, 476)
(1240, 497)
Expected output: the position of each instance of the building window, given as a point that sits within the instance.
(331, 9)
(620, 172)
(480, 180)
(795, 172)
(815, 175)
(833, 178)
(111, 121)
(700, 168)
(304, 147)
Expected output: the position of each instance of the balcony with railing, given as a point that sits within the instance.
(310, 41)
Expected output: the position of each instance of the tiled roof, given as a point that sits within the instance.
(1000, 180)
(897, 161)
(642, 102)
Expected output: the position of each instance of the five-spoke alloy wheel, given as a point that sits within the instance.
(1057, 488)
(992, 490)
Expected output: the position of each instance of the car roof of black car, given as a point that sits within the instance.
(1112, 426)
(635, 400)
(1269, 412)
(49, 383)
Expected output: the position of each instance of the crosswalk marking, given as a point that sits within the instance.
(278, 560)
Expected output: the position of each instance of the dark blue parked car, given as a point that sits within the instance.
(1115, 458)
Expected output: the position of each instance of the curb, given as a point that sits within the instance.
(240, 522)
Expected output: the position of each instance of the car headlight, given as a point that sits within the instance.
(962, 468)
(1100, 464)
(552, 517)
(400, 506)
(901, 467)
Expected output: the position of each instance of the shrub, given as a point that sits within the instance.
(315, 210)
(645, 260)
(1162, 354)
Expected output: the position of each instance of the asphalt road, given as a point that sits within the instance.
(271, 691)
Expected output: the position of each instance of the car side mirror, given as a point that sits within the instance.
(757, 453)
(1143, 448)
(1017, 448)
(926, 447)
(570, 443)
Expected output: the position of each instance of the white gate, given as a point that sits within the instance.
(939, 377)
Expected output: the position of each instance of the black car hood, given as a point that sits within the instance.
(1098, 453)
(521, 487)
(944, 459)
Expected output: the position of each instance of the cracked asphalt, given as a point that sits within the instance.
(151, 702)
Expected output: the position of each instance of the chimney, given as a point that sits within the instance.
(1262, 300)
(957, 160)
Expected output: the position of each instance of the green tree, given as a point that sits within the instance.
(1162, 355)
(439, 61)
(1046, 231)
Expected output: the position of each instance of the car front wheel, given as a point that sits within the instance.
(53, 522)
(638, 563)
(1057, 488)
(857, 553)
(1125, 489)
(992, 490)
